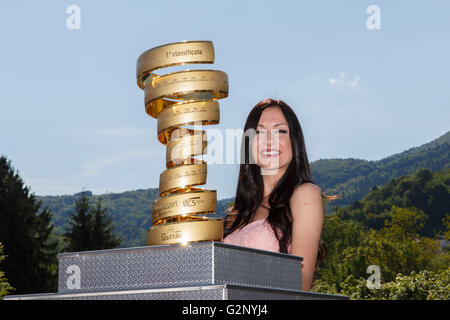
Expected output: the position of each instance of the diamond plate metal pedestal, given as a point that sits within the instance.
(198, 271)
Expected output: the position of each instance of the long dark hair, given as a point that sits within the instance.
(250, 187)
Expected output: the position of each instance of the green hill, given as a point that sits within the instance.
(354, 178)
(424, 190)
(351, 178)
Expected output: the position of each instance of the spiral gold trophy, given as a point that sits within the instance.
(178, 99)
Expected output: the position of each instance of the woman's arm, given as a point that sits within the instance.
(307, 214)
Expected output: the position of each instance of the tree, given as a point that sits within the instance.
(90, 227)
(405, 224)
(25, 233)
(4, 285)
(446, 223)
(79, 234)
(103, 236)
(338, 235)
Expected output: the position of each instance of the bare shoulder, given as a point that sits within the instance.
(306, 191)
(306, 201)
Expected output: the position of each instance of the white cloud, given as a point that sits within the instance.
(342, 80)
(355, 81)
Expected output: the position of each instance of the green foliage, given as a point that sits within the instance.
(446, 223)
(78, 236)
(25, 232)
(397, 249)
(90, 227)
(103, 236)
(337, 236)
(425, 190)
(405, 224)
(423, 285)
(5, 287)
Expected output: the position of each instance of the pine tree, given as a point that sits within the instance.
(24, 232)
(90, 227)
(81, 224)
(103, 236)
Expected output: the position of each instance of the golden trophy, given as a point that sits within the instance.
(179, 99)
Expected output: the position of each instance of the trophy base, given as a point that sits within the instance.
(197, 271)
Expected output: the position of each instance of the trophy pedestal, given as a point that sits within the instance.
(198, 271)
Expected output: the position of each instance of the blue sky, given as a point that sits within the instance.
(72, 116)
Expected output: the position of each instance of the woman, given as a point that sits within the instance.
(277, 206)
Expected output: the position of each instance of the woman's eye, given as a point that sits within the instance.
(274, 131)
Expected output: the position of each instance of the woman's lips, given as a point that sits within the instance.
(270, 153)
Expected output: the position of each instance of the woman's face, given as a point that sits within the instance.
(271, 145)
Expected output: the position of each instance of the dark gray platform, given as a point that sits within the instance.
(198, 271)
(212, 292)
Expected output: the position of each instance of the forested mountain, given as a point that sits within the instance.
(354, 178)
(351, 178)
(424, 190)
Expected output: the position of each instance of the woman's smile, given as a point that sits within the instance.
(270, 153)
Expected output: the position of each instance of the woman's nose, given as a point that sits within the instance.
(271, 138)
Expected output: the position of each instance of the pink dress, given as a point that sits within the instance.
(257, 234)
